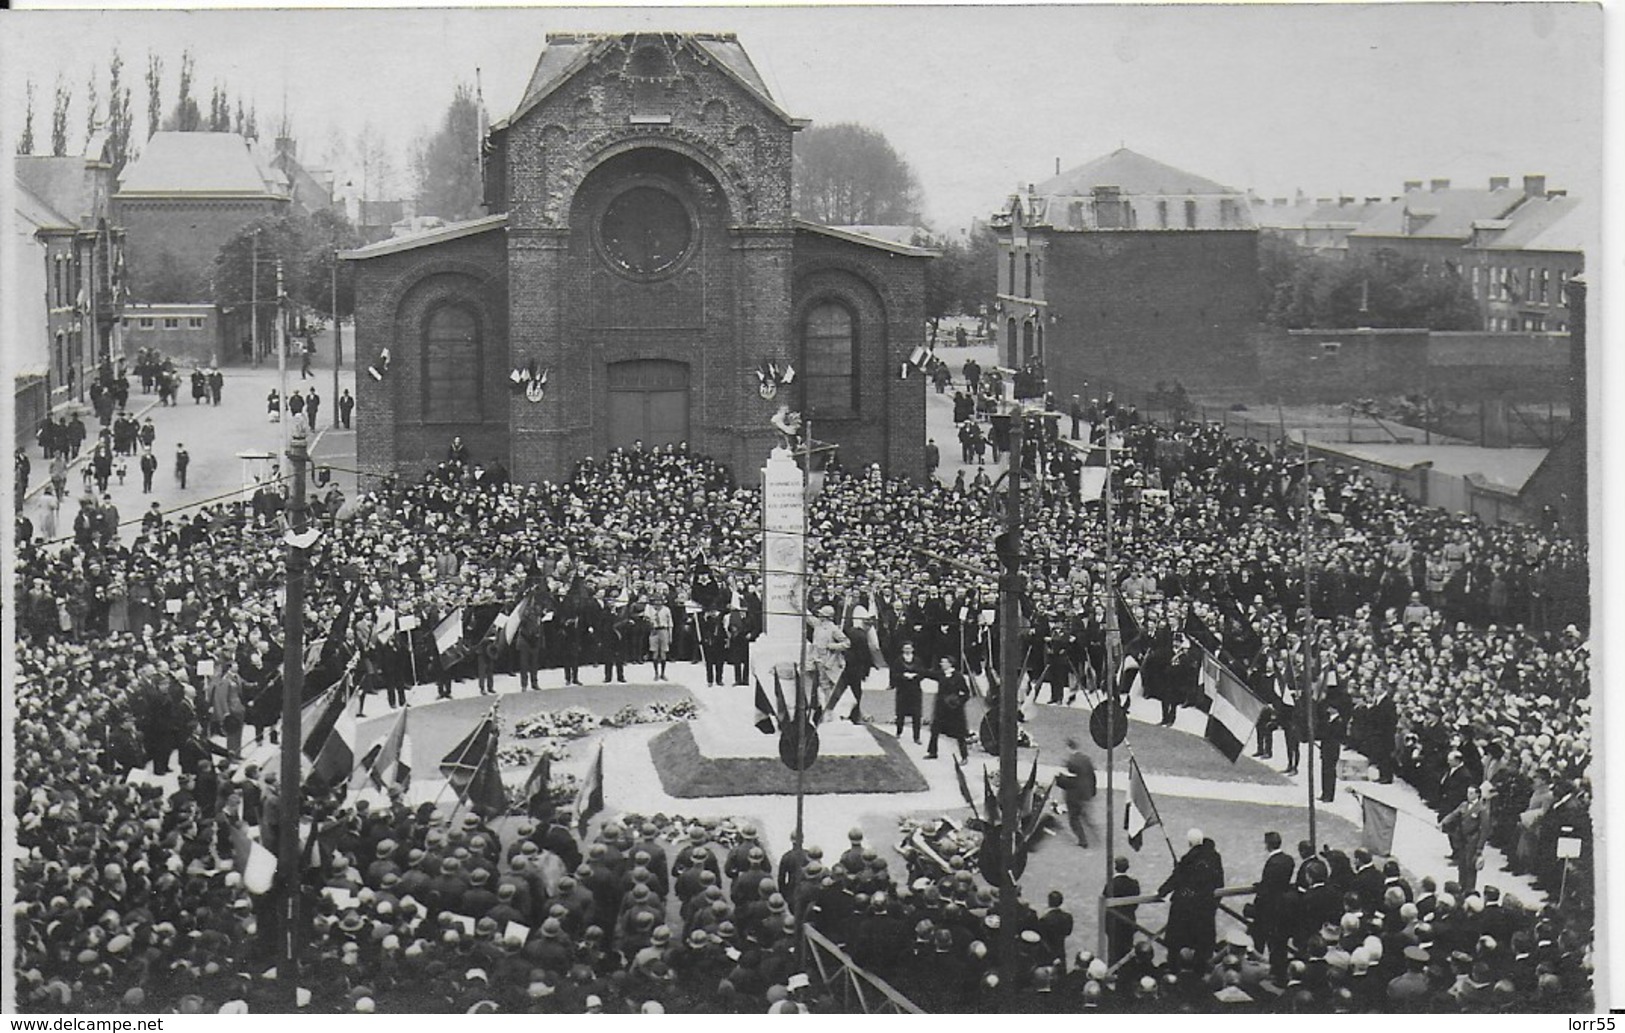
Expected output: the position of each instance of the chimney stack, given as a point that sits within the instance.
(1412, 184)
(1534, 186)
(1500, 182)
(1057, 164)
(1344, 202)
(1435, 185)
(1557, 193)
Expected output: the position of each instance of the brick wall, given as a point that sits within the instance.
(885, 293)
(394, 295)
(1465, 366)
(183, 236)
(1139, 307)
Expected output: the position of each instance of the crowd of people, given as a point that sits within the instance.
(1434, 637)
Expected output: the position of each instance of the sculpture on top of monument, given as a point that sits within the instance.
(788, 424)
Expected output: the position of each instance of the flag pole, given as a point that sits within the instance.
(1308, 651)
(1114, 650)
(800, 715)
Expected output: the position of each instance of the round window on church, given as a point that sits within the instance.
(645, 231)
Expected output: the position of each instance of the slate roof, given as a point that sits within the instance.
(64, 184)
(1544, 224)
(1439, 214)
(1132, 173)
(201, 163)
(568, 52)
(438, 235)
(32, 210)
(853, 235)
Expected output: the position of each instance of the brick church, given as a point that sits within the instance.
(640, 252)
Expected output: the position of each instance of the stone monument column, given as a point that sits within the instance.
(784, 563)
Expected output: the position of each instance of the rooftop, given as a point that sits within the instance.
(201, 163)
(1131, 173)
(34, 212)
(1446, 214)
(438, 235)
(63, 184)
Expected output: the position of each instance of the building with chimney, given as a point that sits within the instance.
(1126, 271)
(639, 278)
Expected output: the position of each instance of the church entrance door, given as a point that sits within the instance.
(648, 402)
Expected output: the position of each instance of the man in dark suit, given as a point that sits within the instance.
(1368, 881)
(1453, 787)
(1272, 905)
(1054, 926)
(1120, 923)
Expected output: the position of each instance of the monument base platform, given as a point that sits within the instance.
(685, 772)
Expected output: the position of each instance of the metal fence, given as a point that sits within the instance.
(853, 988)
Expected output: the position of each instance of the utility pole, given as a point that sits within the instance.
(281, 335)
(338, 347)
(1010, 675)
(254, 299)
(293, 686)
(802, 688)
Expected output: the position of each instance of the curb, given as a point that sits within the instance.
(82, 458)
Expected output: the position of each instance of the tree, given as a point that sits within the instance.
(1384, 289)
(377, 166)
(59, 118)
(447, 163)
(186, 116)
(961, 281)
(120, 123)
(848, 174)
(219, 111)
(92, 104)
(305, 245)
(25, 142)
(155, 100)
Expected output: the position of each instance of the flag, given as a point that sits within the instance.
(964, 786)
(338, 633)
(460, 765)
(1233, 710)
(252, 861)
(332, 706)
(1198, 631)
(1128, 629)
(1096, 457)
(590, 800)
(990, 799)
(1140, 813)
(537, 791)
(448, 638)
(487, 796)
(1378, 833)
(510, 625)
(778, 691)
(920, 357)
(335, 758)
(1025, 801)
(764, 710)
(389, 762)
(1128, 675)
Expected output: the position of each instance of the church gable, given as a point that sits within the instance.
(593, 97)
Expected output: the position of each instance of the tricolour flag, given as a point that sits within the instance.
(1140, 813)
(1378, 834)
(464, 760)
(590, 800)
(1128, 675)
(1233, 710)
(448, 638)
(487, 796)
(764, 710)
(510, 625)
(920, 357)
(389, 762)
(335, 757)
(964, 787)
(537, 792)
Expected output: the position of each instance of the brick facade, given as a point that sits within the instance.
(676, 117)
(1138, 307)
(175, 241)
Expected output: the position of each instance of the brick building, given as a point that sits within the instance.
(182, 200)
(70, 260)
(641, 252)
(1129, 270)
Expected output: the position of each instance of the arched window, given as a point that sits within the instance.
(828, 361)
(1010, 342)
(1027, 351)
(451, 366)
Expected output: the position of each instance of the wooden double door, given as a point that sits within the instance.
(648, 402)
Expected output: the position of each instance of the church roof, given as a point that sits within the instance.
(1131, 173)
(201, 163)
(568, 52)
(854, 235)
(424, 238)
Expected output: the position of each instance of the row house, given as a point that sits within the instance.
(72, 268)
